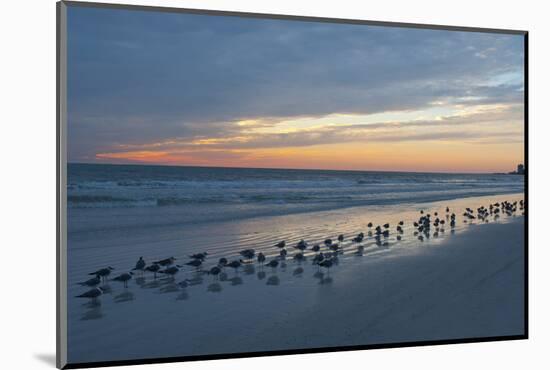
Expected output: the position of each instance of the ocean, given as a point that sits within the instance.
(202, 194)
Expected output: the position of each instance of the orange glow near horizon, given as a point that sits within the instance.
(486, 138)
(437, 157)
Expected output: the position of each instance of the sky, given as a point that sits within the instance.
(203, 90)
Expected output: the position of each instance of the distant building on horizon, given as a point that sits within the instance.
(519, 171)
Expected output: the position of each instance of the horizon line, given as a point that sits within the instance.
(289, 169)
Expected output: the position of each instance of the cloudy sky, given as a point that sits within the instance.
(182, 89)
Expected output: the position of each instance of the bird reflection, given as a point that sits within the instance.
(183, 296)
(94, 311)
(261, 275)
(249, 269)
(298, 271)
(214, 287)
(140, 281)
(236, 280)
(124, 297)
(273, 280)
(170, 288)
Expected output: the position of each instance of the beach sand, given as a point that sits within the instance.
(464, 285)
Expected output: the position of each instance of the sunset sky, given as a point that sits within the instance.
(162, 88)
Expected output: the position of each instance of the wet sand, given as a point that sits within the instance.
(462, 285)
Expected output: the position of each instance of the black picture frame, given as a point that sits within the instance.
(61, 163)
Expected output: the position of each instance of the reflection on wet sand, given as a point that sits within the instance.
(237, 280)
(322, 259)
(273, 280)
(94, 311)
(126, 296)
(215, 287)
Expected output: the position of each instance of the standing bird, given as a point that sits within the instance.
(341, 238)
(283, 253)
(302, 245)
(154, 268)
(140, 265)
(103, 273)
(195, 263)
(222, 262)
(91, 282)
(261, 258)
(123, 278)
(280, 244)
(316, 248)
(92, 294)
(235, 264)
(273, 264)
(215, 271)
(172, 270)
(248, 253)
(369, 225)
(326, 263)
(166, 262)
(199, 256)
(299, 257)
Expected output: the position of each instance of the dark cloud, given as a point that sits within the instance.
(138, 77)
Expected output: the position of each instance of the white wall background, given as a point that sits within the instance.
(27, 193)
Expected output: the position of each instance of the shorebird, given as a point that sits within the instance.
(401, 223)
(248, 253)
(195, 263)
(341, 238)
(280, 244)
(359, 238)
(154, 268)
(222, 262)
(316, 248)
(273, 264)
(328, 242)
(91, 282)
(215, 271)
(235, 264)
(335, 247)
(283, 253)
(261, 258)
(299, 257)
(326, 263)
(318, 258)
(92, 293)
(166, 262)
(103, 273)
(172, 270)
(199, 256)
(369, 225)
(123, 278)
(386, 226)
(302, 245)
(140, 265)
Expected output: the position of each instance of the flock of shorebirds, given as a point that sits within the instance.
(325, 254)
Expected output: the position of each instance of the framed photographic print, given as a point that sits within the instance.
(235, 184)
